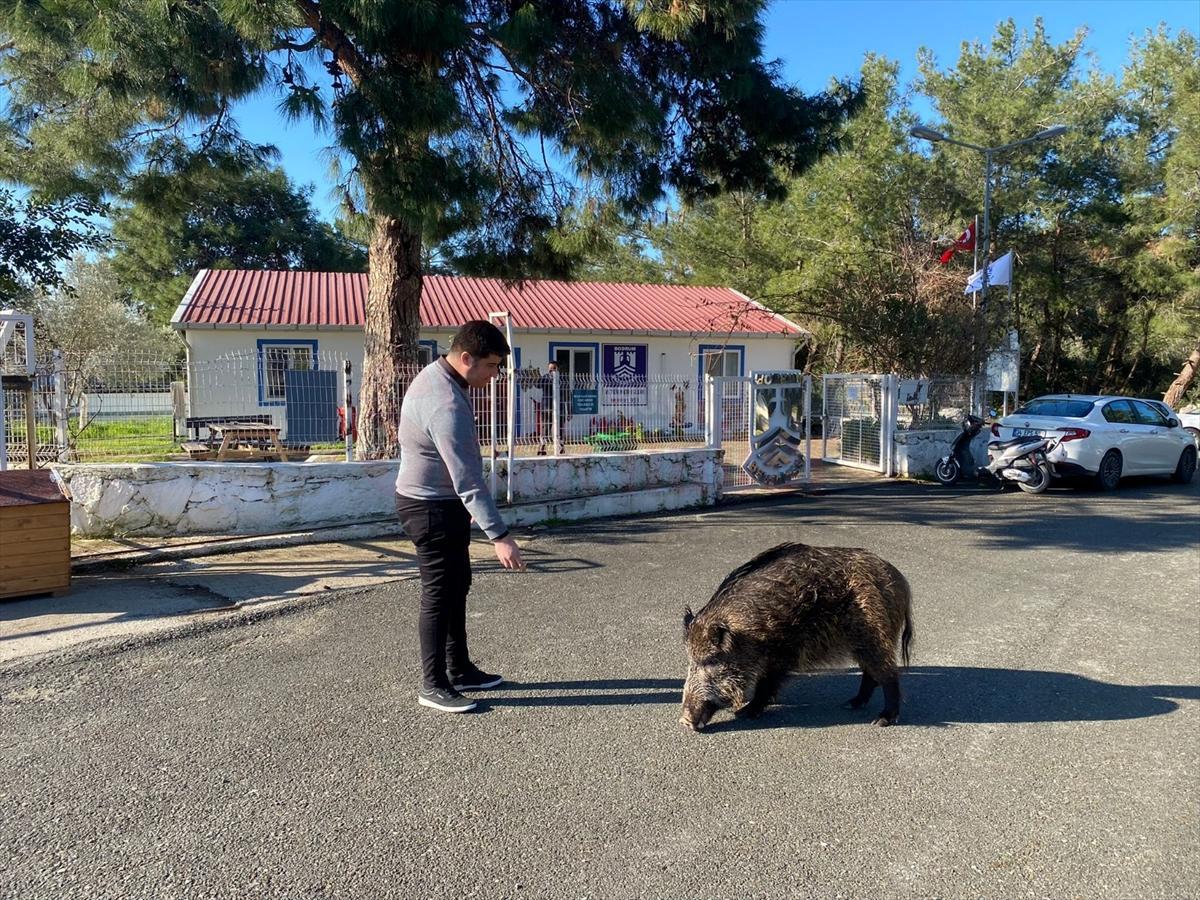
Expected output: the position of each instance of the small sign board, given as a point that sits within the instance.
(624, 371)
(584, 401)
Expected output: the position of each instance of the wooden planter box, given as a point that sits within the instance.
(35, 534)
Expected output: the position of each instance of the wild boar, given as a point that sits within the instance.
(794, 608)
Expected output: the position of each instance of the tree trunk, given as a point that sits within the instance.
(390, 334)
(1181, 384)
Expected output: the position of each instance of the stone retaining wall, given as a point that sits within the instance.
(264, 498)
(917, 452)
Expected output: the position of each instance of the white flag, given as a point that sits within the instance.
(999, 272)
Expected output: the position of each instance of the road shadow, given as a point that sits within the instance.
(596, 692)
(934, 696)
(942, 696)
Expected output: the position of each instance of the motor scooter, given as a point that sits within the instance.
(1024, 460)
(959, 461)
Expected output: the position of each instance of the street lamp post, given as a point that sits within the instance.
(989, 153)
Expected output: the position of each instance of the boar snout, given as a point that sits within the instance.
(697, 709)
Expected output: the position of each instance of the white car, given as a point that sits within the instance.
(1105, 437)
(1191, 424)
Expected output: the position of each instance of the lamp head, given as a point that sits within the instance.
(926, 134)
(1052, 132)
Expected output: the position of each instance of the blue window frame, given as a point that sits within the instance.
(427, 352)
(276, 356)
(719, 359)
(568, 355)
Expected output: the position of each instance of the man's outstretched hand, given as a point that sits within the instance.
(509, 554)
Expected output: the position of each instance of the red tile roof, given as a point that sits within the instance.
(235, 298)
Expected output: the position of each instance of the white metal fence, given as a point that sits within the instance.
(940, 401)
(138, 409)
(862, 412)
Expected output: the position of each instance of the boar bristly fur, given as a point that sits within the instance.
(796, 608)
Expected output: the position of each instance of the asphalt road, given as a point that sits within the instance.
(1049, 744)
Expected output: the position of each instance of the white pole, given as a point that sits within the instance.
(511, 413)
(3, 430)
(510, 407)
(808, 428)
(348, 408)
(60, 406)
(555, 425)
(492, 404)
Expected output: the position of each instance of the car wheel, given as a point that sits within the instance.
(947, 471)
(1195, 433)
(1039, 480)
(1186, 469)
(1109, 475)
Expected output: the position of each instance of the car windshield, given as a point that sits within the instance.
(1055, 406)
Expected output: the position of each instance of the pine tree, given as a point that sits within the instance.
(443, 110)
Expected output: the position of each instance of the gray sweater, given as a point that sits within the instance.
(440, 457)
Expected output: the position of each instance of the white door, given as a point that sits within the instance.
(1159, 445)
(734, 392)
(1124, 433)
(576, 367)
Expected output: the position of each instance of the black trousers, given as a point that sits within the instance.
(441, 532)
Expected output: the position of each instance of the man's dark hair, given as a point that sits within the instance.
(480, 339)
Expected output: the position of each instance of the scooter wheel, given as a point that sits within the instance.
(947, 471)
(1038, 482)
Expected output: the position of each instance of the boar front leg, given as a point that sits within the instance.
(764, 692)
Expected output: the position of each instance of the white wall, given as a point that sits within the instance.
(266, 498)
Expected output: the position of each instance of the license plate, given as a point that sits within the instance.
(1026, 432)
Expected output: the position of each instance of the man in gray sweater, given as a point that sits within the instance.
(439, 490)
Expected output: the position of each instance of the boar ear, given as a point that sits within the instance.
(688, 618)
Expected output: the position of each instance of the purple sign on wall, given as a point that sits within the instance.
(624, 372)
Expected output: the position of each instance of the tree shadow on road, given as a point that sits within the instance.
(940, 696)
(597, 692)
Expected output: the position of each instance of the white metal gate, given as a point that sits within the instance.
(762, 422)
(858, 420)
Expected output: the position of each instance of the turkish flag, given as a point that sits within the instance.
(966, 241)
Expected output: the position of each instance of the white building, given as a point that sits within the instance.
(245, 330)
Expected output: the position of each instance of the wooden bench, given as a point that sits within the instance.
(197, 449)
(195, 423)
(248, 440)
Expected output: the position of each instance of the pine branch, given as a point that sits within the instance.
(348, 57)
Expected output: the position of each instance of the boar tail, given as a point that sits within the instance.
(906, 637)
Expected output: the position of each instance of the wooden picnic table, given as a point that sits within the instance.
(247, 440)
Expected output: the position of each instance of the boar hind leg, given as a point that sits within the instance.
(764, 692)
(884, 673)
(891, 703)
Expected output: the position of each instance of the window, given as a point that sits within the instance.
(1120, 412)
(1056, 407)
(576, 364)
(719, 362)
(1145, 414)
(427, 352)
(276, 358)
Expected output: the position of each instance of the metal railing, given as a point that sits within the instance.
(122, 408)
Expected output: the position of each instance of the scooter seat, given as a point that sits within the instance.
(1013, 442)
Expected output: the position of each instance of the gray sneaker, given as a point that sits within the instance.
(445, 699)
(474, 679)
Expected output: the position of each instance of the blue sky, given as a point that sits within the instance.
(820, 39)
